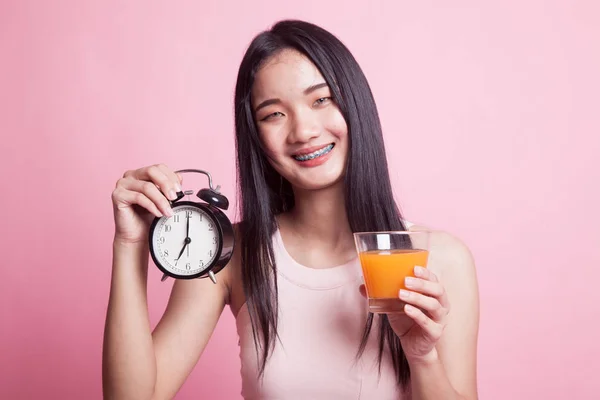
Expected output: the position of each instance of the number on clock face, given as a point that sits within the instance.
(169, 241)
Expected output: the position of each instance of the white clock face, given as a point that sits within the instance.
(169, 241)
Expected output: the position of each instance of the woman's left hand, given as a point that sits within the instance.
(423, 323)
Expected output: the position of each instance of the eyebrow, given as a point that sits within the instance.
(307, 91)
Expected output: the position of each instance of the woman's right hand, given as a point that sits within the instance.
(139, 196)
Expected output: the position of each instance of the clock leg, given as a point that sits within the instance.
(212, 277)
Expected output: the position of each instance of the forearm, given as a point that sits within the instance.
(429, 380)
(128, 359)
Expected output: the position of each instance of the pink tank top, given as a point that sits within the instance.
(321, 319)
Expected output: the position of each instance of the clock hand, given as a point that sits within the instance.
(187, 238)
(187, 241)
(180, 253)
(187, 234)
(187, 228)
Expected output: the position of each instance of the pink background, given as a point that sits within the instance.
(490, 114)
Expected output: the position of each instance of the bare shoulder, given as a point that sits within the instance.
(234, 274)
(226, 277)
(191, 315)
(235, 264)
(450, 259)
(450, 256)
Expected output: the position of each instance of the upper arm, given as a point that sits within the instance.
(181, 335)
(457, 347)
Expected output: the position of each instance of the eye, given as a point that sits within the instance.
(276, 114)
(322, 100)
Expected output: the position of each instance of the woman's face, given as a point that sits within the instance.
(302, 130)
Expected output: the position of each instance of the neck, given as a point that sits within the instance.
(320, 216)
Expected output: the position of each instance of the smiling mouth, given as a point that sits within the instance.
(315, 154)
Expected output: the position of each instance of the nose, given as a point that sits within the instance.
(304, 128)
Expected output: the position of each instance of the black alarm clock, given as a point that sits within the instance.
(197, 241)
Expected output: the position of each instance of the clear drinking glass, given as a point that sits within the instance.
(387, 258)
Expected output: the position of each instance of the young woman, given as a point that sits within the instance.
(312, 170)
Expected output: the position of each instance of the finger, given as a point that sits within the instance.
(363, 291)
(439, 292)
(149, 190)
(429, 304)
(128, 197)
(174, 177)
(432, 329)
(425, 273)
(429, 288)
(169, 186)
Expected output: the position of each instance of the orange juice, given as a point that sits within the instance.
(384, 272)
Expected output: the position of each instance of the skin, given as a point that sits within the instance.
(293, 112)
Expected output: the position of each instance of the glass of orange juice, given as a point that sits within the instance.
(387, 258)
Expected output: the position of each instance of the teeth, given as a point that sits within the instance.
(315, 154)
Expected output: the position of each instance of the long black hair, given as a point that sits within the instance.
(264, 193)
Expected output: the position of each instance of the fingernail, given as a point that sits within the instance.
(404, 294)
(409, 309)
(178, 188)
(169, 212)
(172, 195)
(419, 271)
(409, 282)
